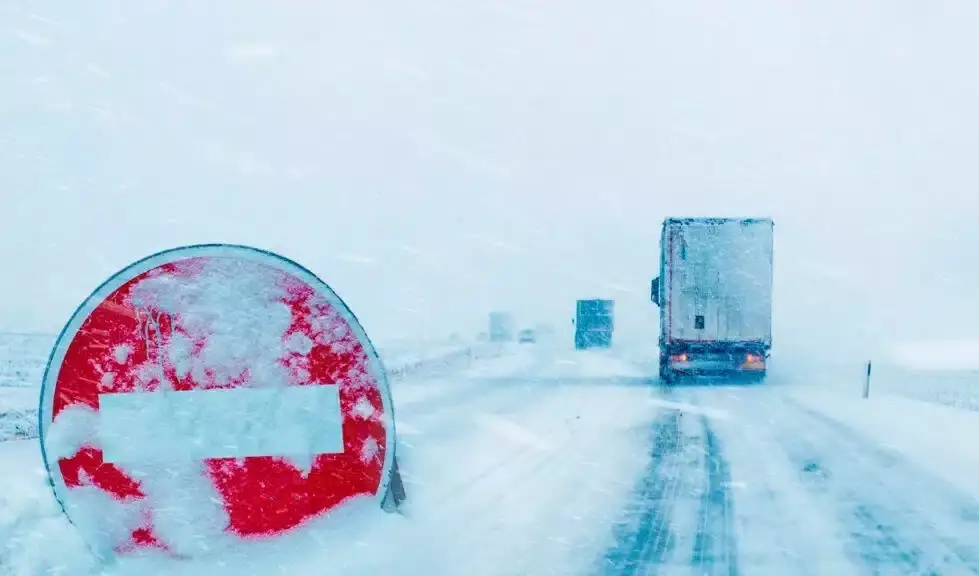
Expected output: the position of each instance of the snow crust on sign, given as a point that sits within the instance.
(204, 324)
(237, 310)
(75, 428)
(297, 422)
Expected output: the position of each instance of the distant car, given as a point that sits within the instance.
(527, 336)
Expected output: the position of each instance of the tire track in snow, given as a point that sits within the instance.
(686, 463)
(441, 431)
(781, 527)
(715, 550)
(645, 537)
(522, 460)
(526, 487)
(899, 519)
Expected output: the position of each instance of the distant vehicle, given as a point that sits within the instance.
(527, 335)
(501, 327)
(594, 323)
(714, 292)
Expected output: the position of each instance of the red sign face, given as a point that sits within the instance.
(208, 395)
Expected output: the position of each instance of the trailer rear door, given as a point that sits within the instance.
(719, 275)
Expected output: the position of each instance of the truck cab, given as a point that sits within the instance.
(714, 291)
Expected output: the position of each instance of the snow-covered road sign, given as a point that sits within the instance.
(211, 394)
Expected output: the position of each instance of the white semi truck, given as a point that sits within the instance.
(714, 291)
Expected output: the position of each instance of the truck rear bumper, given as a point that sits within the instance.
(715, 370)
(739, 362)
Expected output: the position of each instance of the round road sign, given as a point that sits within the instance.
(211, 394)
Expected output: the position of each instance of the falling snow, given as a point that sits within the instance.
(434, 162)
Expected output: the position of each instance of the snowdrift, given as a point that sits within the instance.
(935, 436)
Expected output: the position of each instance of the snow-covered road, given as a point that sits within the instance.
(757, 482)
(547, 460)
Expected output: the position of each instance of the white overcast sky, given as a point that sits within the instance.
(432, 160)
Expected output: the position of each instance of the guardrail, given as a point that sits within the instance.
(21, 424)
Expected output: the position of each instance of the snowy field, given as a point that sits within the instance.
(537, 459)
(22, 358)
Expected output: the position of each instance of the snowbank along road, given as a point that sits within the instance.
(546, 460)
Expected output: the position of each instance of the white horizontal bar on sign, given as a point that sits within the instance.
(181, 426)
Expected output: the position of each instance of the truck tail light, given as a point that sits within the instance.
(679, 358)
(753, 361)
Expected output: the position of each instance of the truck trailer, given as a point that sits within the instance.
(714, 291)
(501, 327)
(594, 323)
